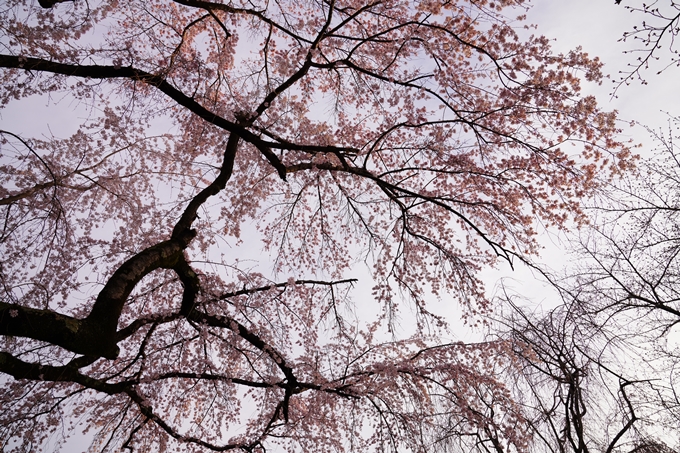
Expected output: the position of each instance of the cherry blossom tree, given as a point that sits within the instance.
(418, 141)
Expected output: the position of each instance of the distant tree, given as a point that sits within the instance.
(583, 388)
(424, 139)
(600, 370)
(632, 264)
(654, 38)
(628, 283)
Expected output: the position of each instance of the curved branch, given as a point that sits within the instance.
(19, 369)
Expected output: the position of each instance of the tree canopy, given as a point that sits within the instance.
(417, 141)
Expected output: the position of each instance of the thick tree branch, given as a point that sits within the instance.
(159, 81)
(19, 369)
(111, 299)
(47, 4)
(191, 211)
(76, 335)
(191, 282)
(96, 335)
